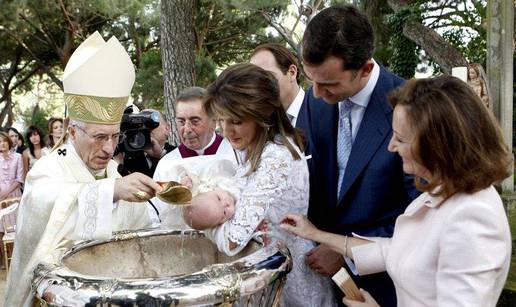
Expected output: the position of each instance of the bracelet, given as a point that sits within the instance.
(346, 246)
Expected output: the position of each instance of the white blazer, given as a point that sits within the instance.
(452, 254)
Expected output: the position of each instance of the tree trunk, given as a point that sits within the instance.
(177, 51)
(434, 45)
(6, 116)
(500, 53)
(3, 113)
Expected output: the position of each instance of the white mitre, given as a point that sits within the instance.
(98, 80)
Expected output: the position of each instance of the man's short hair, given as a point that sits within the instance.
(191, 93)
(340, 31)
(282, 55)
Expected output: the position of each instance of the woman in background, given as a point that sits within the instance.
(15, 136)
(11, 169)
(452, 246)
(55, 131)
(12, 177)
(36, 148)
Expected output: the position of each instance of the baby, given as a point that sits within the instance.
(213, 189)
(209, 209)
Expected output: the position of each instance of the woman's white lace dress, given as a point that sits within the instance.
(279, 186)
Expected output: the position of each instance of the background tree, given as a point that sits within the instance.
(177, 49)
(39, 37)
(223, 32)
(42, 35)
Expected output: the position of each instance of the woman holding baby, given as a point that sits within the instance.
(272, 175)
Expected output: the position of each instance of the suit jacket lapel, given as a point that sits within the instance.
(301, 120)
(375, 127)
(329, 118)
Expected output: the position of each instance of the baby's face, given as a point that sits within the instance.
(223, 205)
(210, 209)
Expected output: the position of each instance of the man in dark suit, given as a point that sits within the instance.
(356, 184)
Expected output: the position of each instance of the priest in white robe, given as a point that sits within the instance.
(76, 193)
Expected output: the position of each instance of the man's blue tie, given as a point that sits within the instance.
(344, 140)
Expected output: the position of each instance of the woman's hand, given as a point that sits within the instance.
(300, 226)
(264, 228)
(369, 301)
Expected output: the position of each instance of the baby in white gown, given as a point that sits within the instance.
(213, 189)
(277, 187)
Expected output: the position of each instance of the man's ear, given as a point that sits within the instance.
(367, 68)
(72, 132)
(292, 72)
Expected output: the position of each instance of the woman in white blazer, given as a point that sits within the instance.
(452, 245)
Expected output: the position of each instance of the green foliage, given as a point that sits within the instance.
(404, 58)
(378, 12)
(228, 31)
(462, 24)
(148, 87)
(475, 50)
(255, 5)
(36, 117)
(37, 37)
(204, 70)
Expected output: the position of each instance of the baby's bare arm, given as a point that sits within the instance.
(186, 181)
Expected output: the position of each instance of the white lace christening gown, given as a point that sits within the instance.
(279, 186)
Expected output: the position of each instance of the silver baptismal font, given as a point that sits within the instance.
(162, 268)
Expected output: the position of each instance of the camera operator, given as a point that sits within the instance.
(146, 159)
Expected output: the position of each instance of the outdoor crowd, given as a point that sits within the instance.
(391, 179)
(17, 159)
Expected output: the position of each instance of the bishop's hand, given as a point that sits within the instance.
(135, 187)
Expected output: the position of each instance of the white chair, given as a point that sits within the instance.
(8, 221)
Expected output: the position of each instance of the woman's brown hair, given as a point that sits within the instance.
(5, 137)
(456, 138)
(51, 121)
(245, 91)
(31, 131)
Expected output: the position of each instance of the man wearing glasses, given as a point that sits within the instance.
(76, 193)
(196, 129)
(198, 138)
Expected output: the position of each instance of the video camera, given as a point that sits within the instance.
(136, 130)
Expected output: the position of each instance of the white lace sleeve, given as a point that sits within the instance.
(259, 191)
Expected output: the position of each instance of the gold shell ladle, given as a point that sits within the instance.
(174, 193)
